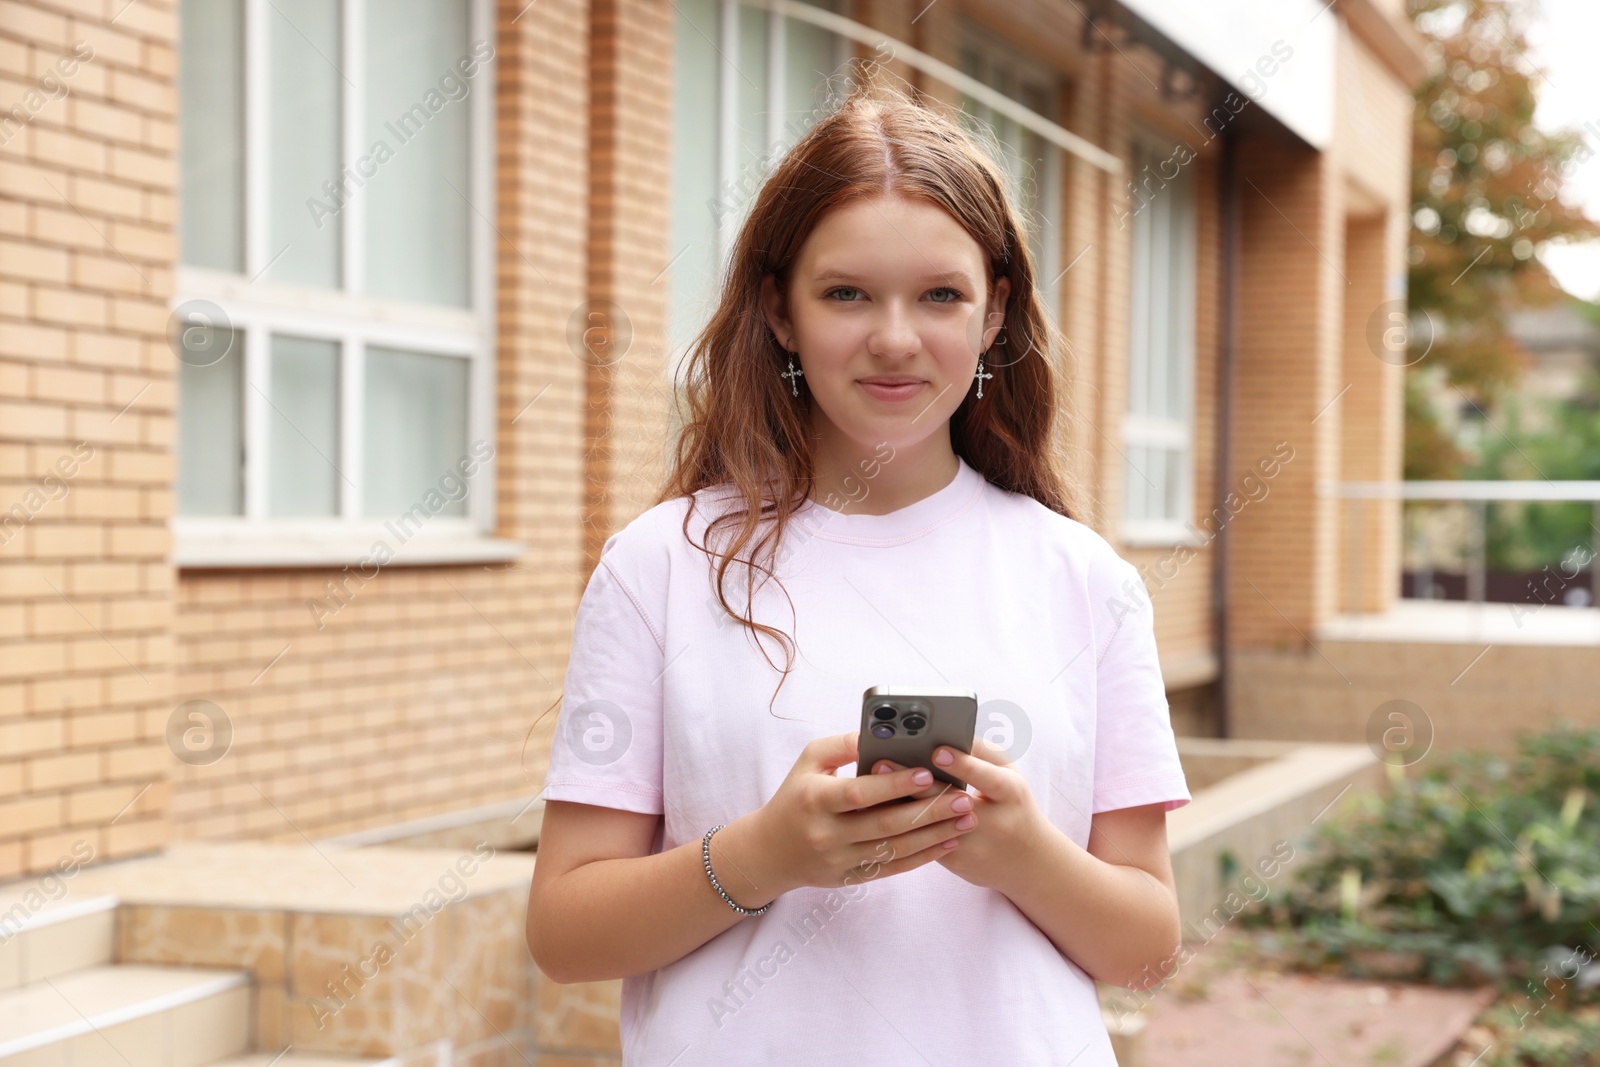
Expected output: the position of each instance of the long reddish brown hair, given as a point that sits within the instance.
(745, 430)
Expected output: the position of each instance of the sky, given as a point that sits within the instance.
(1561, 42)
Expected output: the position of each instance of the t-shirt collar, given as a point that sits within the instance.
(902, 524)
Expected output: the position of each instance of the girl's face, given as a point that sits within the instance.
(886, 288)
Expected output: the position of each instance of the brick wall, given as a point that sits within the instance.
(415, 698)
(86, 399)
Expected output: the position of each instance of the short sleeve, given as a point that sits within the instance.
(607, 745)
(1136, 755)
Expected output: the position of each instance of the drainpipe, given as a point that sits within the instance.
(1225, 359)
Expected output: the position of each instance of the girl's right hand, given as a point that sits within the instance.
(823, 830)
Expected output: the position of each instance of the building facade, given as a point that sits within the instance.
(335, 339)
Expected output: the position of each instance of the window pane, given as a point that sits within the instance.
(1156, 496)
(303, 50)
(416, 431)
(304, 427)
(807, 66)
(418, 226)
(1135, 487)
(694, 169)
(211, 117)
(752, 89)
(1172, 507)
(211, 428)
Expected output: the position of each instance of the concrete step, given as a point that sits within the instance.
(302, 1059)
(41, 938)
(126, 1016)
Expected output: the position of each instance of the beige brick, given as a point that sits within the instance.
(70, 307)
(150, 541)
(48, 851)
(63, 694)
(13, 299)
(32, 421)
(26, 180)
(95, 119)
(32, 23)
(141, 167)
(21, 737)
(13, 219)
(58, 772)
(113, 45)
(103, 269)
(151, 467)
(142, 242)
(68, 150)
(97, 804)
(29, 815)
(140, 316)
(153, 22)
(28, 262)
(34, 341)
(50, 538)
(148, 94)
(97, 196)
(103, 502)
(105, 349)
(66, 383)
(138, 761)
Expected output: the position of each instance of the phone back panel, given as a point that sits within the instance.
(952, 719)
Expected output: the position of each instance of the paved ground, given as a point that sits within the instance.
(1227, 1008)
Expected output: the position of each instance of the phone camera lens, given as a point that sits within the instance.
(883, 711)
(914, 722)
(882, 730)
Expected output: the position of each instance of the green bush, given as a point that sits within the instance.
(1480, 868)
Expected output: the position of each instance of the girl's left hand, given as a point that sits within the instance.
(996, 852)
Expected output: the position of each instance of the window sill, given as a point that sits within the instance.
(247, 550)
(1162, 535)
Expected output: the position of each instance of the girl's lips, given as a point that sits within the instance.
(892, 393)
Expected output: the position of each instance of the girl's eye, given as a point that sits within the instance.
(955, 294)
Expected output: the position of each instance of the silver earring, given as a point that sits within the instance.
(792, 373)
(981, 375)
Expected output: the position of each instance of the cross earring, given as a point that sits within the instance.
(792, 373)
(981, 375)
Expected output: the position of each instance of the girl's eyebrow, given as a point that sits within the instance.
(952, 276)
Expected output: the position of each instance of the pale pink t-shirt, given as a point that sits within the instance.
(665, 709)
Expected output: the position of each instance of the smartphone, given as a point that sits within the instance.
(905, 724)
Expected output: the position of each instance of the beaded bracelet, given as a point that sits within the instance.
(705, 854)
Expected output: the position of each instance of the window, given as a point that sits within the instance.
(333, 318)
(1030, 163)
(748, 84)
(1158, 431)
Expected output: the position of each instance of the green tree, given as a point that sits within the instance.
(1486, 190)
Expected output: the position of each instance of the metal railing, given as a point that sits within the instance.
(1476, 496)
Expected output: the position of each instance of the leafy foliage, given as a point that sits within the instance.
(1482, 868)
(1486, 193)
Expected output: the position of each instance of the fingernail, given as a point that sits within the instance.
(961, 804)
(966, 822)
(943, 757)
(922, 777)
(882, 768)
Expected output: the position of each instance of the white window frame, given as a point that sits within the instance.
(1146, 430)
(731, 214)
(847, 31)
(256, 310)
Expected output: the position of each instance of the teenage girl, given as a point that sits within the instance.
(871, 413)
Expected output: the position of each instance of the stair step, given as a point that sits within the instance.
(302, 1059)
(126, 1015)
(41, 938)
